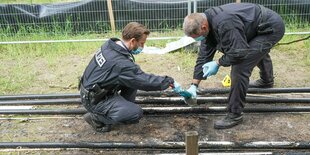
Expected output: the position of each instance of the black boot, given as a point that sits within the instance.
(230, 120)
(99, 127)
(260, 84)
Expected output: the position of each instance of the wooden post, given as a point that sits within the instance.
(111, 15)
(191, 141)
(238, 1)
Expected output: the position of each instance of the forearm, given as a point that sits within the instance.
(206, 54)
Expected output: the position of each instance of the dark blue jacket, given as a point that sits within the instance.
(231, 26)
(113, 65)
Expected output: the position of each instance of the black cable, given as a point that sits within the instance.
(294, 41)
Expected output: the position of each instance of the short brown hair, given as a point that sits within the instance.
(134, 30)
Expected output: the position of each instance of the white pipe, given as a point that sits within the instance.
(37, 118)
(296, 33)
(25, 149)
(15, 107)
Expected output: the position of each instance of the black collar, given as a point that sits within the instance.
(124, 51)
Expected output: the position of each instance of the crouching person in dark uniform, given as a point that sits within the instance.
(244, 33)
(110, 82)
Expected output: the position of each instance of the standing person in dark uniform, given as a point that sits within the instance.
(244, 33)
(109, 84)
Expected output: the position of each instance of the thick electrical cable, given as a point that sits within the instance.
(160, 100)
(162, 110)
(160, 93)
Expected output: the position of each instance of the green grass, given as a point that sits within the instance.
(24, 66)
(55, 67)
(296, 48)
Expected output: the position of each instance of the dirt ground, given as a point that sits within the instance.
(256, 127)
(162, 128)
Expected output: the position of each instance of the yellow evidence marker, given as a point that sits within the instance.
(226, 81)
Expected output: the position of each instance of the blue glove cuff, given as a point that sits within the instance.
(177, 87)
(193, 87)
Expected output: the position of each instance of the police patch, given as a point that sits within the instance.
(100, 58)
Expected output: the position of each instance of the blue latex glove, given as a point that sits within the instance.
(210, 68)
(193, 90)
(176, 87)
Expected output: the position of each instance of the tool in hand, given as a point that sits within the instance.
(188, 98)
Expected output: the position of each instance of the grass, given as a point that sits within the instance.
(297, 47)
(55, 67)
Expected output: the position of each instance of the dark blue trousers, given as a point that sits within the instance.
(118, 108)
(258, 56)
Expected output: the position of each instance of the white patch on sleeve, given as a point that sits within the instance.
(100, 58)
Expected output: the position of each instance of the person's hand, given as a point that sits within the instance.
(176, 87)
(210, 68)
(193, 90)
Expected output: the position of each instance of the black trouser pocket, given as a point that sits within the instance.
(264, 28)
